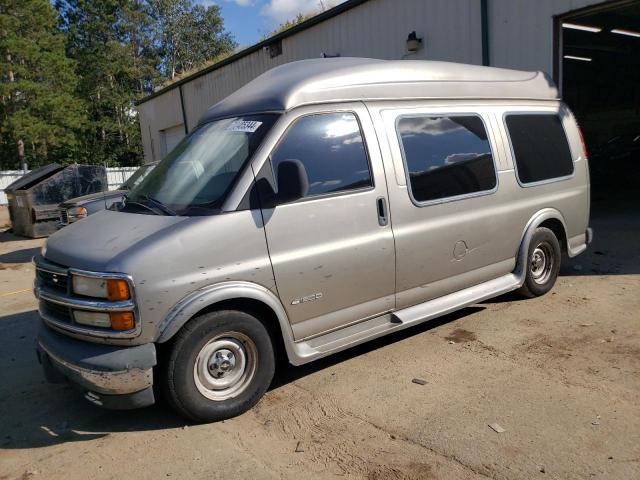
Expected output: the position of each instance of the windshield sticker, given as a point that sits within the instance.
(247, 126)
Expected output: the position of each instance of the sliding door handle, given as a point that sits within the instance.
(383, 214)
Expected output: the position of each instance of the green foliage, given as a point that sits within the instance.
(290, 23)
(189, 35)
(69, 82)
(116, 59)
(38, 105)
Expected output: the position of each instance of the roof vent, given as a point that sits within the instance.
(274, 48)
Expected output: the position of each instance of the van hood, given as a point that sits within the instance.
(99, 242)
(92, 197)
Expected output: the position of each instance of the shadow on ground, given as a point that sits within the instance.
(614, 250)
(36, 414)
(19, 256)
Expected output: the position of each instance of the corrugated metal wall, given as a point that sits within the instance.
(521, 31)
(156, 115)
(450, 29)
(520, 36)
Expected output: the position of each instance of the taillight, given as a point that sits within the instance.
(585, 154)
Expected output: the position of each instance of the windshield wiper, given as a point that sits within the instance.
(159, 205)
(153, 206)
(128, 201)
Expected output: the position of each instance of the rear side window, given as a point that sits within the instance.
(331, 148)
(540, 147)
(446, 156)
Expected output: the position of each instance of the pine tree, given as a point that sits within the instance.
(188, 35)
(40, 117)
(107, 39)
(69, 82)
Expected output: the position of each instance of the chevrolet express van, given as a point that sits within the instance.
(326, 203)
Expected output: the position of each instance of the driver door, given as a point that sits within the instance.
(332, 251)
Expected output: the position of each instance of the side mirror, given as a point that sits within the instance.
(293, 181)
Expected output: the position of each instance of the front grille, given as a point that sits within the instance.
(64, 217)
(55, 311)
(52, 281)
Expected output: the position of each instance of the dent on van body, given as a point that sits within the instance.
(446, 245)
(500, 220)
(181, 269)
(171, 258)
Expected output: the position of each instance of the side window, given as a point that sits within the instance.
(331, 148)
(446, 156)
(540, 147)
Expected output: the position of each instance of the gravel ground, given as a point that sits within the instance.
(560, 374)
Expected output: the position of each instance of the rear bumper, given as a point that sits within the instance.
(110, 376)
(578, 244)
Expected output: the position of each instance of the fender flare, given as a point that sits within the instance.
(190, 305)
(534, 222)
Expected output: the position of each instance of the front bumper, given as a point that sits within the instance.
(110, 376)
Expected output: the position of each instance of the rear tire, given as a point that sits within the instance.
(543, 263)
(219, 366)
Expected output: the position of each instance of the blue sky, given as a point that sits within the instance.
(250, 20)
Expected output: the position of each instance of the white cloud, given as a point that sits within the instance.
(461, 157)
(240, 3)
(280, 11)
(412, 126)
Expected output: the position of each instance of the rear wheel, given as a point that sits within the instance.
(219, 366)
(543, 263)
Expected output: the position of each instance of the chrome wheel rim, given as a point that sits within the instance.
(541, 263)
(225, 366)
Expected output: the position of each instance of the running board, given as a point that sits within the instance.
(338, 340)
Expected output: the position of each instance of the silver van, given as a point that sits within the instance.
(326, 203)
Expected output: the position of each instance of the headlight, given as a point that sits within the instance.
(113, 289)
(113, 320)
(76, 213)
(94, 319)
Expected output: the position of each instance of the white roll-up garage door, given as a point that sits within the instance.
(170, 138)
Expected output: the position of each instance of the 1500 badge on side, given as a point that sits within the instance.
(308, 298)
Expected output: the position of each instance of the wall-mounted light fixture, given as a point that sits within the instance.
(413, 42)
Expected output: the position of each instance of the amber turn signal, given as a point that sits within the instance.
(117, 289)
(122, 320)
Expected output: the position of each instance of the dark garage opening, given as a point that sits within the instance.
(598, 65)
(600, 76)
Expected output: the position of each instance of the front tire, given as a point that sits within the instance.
(543, 263)
(219, 366)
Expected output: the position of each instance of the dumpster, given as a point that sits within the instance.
(34, 197)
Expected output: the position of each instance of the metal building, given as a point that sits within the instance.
(591, 49)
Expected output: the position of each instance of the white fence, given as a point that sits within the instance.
(115, 177)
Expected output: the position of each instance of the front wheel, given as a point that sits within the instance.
(219, 366)
(543, 263)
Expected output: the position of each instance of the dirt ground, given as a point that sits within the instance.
(560, 374)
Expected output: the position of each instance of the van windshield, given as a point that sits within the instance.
(137, 176)
(194, 178)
